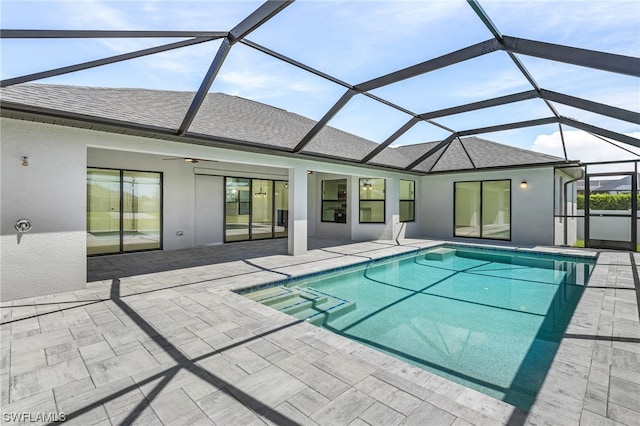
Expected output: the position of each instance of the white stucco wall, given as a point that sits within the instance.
(52, 192)
(51, 258)
(532, 220)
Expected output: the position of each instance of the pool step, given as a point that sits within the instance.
(272, 295)
(300, 302)
(303, 303)
(332, 313)
(440, 253)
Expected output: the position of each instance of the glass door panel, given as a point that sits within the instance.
(467, 209)
(281, 209)
(103, 211)
(237, 209)
(262, 209)
(496, 209)
(141, 208)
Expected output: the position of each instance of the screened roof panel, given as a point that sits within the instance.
(125, 15)
(369, 119)
(360, 40)
(609, 26)
(585, 146)
(351, 42)
(525, 137)
(613, 89)
(514, 112)
(253, 75)
(480, 78)
(148, 72)
(421, 132)
(599, 120)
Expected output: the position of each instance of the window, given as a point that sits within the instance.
(334, 200)
(372, 200)
(483, 209)
(407, 200)
(124, 211)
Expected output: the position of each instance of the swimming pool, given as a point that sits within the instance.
(488, 319)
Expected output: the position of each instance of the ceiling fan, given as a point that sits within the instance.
(190, 159)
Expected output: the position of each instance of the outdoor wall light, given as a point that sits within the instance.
(24, 161)
(524, 184)
(191, 160)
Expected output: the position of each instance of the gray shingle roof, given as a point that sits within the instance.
(224, 117)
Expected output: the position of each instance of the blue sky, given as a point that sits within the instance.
(355, 41)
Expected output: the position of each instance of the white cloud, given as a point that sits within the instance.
(584, 147)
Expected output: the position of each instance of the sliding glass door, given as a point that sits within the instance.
(123, 211)
(483, 209)
(255, 209)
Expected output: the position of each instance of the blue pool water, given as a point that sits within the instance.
(488, 319)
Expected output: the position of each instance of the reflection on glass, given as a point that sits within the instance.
(103, 211)
(334, 200)
(467, 214)
(262, 209)
(407, 200)
(372, 200)
(238, 202)
(281, 209)
(141, 208)
(496, 209)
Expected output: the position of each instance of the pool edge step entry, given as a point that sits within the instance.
(440, 253)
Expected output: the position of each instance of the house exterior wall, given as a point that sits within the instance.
(51, 258)
(532, 220)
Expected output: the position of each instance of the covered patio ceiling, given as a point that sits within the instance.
(406, 103)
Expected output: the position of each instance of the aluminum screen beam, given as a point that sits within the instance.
(261, 15)
(464, 148)
(496, 33)
(103, 61)
(431, 65)
(250, 23)
(600, 131)
(509, 126)
(575, 56)
(598, 108)
(324, 120)
(107, 34)
(214, 68)
(433, 150)
(502, 100)
(402, 130)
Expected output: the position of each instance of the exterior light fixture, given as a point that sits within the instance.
(24, 161)
(524, 184)
(190, 160)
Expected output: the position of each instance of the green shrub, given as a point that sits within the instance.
(607, 201)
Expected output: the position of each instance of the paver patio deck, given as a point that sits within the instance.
(160, 338)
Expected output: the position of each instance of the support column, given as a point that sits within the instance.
(297, 211)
